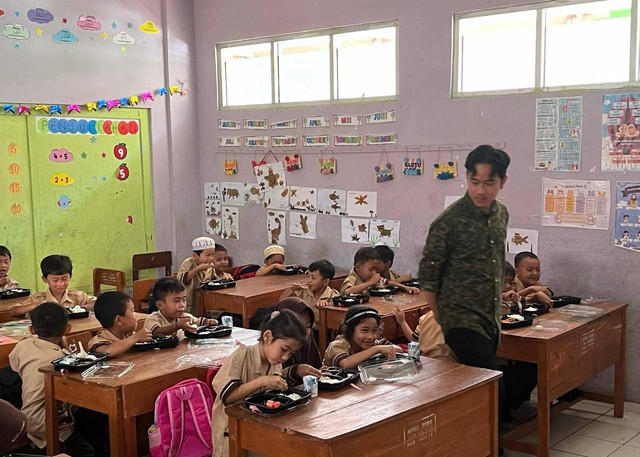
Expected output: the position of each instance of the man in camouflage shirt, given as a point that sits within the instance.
(463, 263)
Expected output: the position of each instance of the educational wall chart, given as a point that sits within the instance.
(276, 223)
(302, 225)
(303, 198)
(576, 203)
(232, 193)
(627, 222)
(230, 223)
(363, 204)
(332, 202)
(521, 240)
(355, 230)
(384, 231)
(558, 138)
(620, 135)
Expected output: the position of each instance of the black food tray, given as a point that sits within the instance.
(383, 291)
(540, 309)
(217, 284)
(528, 320)
(80, 364)
(350, 300)
(292, 270)
(80, 315)
(286, 404)
(14, 293)
(564, 300)
(157, 342)
(213, 331)
(413, 282)
(345, 376)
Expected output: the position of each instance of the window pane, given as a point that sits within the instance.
(246, 75)
(587, 43)
(365, 63)
(304, 69)
(497, 52)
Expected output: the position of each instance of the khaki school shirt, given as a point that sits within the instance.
(242, 366)
(340, 349)
(183, 272)
(70, 298)
(429, 335)
(104, 338)
(310, 299)
(11, 284)
(354, 280)
(29, 355)
(157, 319)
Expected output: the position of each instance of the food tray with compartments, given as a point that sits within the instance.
(350, 300)
(292, 270)
(335, 378)
(14, 293)
(563, 300)
(77, 314)
(73, 363)
(212, 331)
(383, 291)
(157, 342)
(534, 309)
(217, 284)
(507, 323)
(257, 403)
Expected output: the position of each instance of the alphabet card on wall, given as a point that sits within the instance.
(232, 193)
(303, 198)
(521, 240)
(276, 198)
(230, 223)
(355, 230)
(212, 190)
(412, 166)
(276, 227)
(384, 231)
(212, 208)
(214, 226)
(252, 193)
(302, 225)
(332, 202)
(271, 176)
(362, 204)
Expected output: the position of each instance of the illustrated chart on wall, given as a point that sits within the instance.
(91, 191)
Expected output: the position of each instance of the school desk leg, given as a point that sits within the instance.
(619, 386)
(245, 317)
(494, 418)
(544, 402)
(117, 427)
(234, 439)
(130, 436)
(51, 416)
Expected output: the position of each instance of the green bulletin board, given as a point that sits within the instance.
(84, 190)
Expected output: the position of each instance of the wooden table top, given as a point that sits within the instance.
(154, 364)
(7, 304)
(573, 322)
(334, 415)
(386, 308)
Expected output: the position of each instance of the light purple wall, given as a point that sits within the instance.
(42, 71)
(575, 261)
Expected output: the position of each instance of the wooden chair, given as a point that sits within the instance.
(152, 260)
(83, 337)
(104, 276)
(141, 290)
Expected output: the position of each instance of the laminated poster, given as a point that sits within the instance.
(620, 136)
(384, 231)
(558, 139)
(576, 203)
(355, 230)
(627, 222)
(302, 225)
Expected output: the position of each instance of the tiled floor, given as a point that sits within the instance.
(589, 429)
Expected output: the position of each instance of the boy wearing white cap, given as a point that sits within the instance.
(273, 260)
(198, 268)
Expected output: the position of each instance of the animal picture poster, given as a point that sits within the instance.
(252, 194)
(303, 198)
(627, 224)
(212, 208)
(212, 191)
(355, 230)
(276, 227)
(232, 193)
(302, 225)
(620, 134)
(558, 137)
(276, 198)
(332, 202)
(230, 223)
(384, 231)
(362, 204)
(270, 176)
(214, 226)
(521, 240)
(576, 203)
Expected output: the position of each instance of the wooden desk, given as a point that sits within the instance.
(566, 360)
(449, 409)
(124, 399)
(6, 305)
(252, 293)
(331, 316)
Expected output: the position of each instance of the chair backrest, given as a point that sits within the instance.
(83, 337)
(152, 260)
(141, 290)
(104, 276)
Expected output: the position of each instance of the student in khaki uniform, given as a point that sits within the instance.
(6, 282)
(386, 262)
(273, 260)
(170, 296)
(56, 273)
(364, 274)
(528, 283)
(251, 369)
(317, 291)
(221, 261)
(49, 322)
(114, 310)
(428, 334)
(359, 339)
(197, 268)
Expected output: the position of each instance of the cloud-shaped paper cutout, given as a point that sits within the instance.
(64, 202)
(64, 36)
(39, 15)
(60, 155)
(15, 32)
(149, 27)
(61, 179)
(123, 38)
(88, 23)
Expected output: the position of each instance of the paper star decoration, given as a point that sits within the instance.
(93, 139)
(64, 20)
(104, 35)
(83, 155)
(92, 106)
(104, 155)
(38, 31)
(114, 25)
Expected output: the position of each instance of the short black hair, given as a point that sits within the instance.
(220, 248)
(349, 323)
(109, 305)
(164, 287)
(285, 324)
(497, 158)
(385, 252)
(5, 251)
(365, 255)
(520, 256)
(56, 265)
(49, 320)
(324, 267)
(509, 271)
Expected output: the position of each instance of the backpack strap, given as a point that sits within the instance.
(176, 442)
(205, 442)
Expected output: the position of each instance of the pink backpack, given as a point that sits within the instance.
(182, 425)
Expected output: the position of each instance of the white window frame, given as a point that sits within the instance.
(633, 81)
(274, 70)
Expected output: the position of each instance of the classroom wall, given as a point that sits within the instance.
(42, 71)
(575, 261)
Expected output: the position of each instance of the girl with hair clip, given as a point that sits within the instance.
(251, 369)
(358, 340)
(309, 354)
